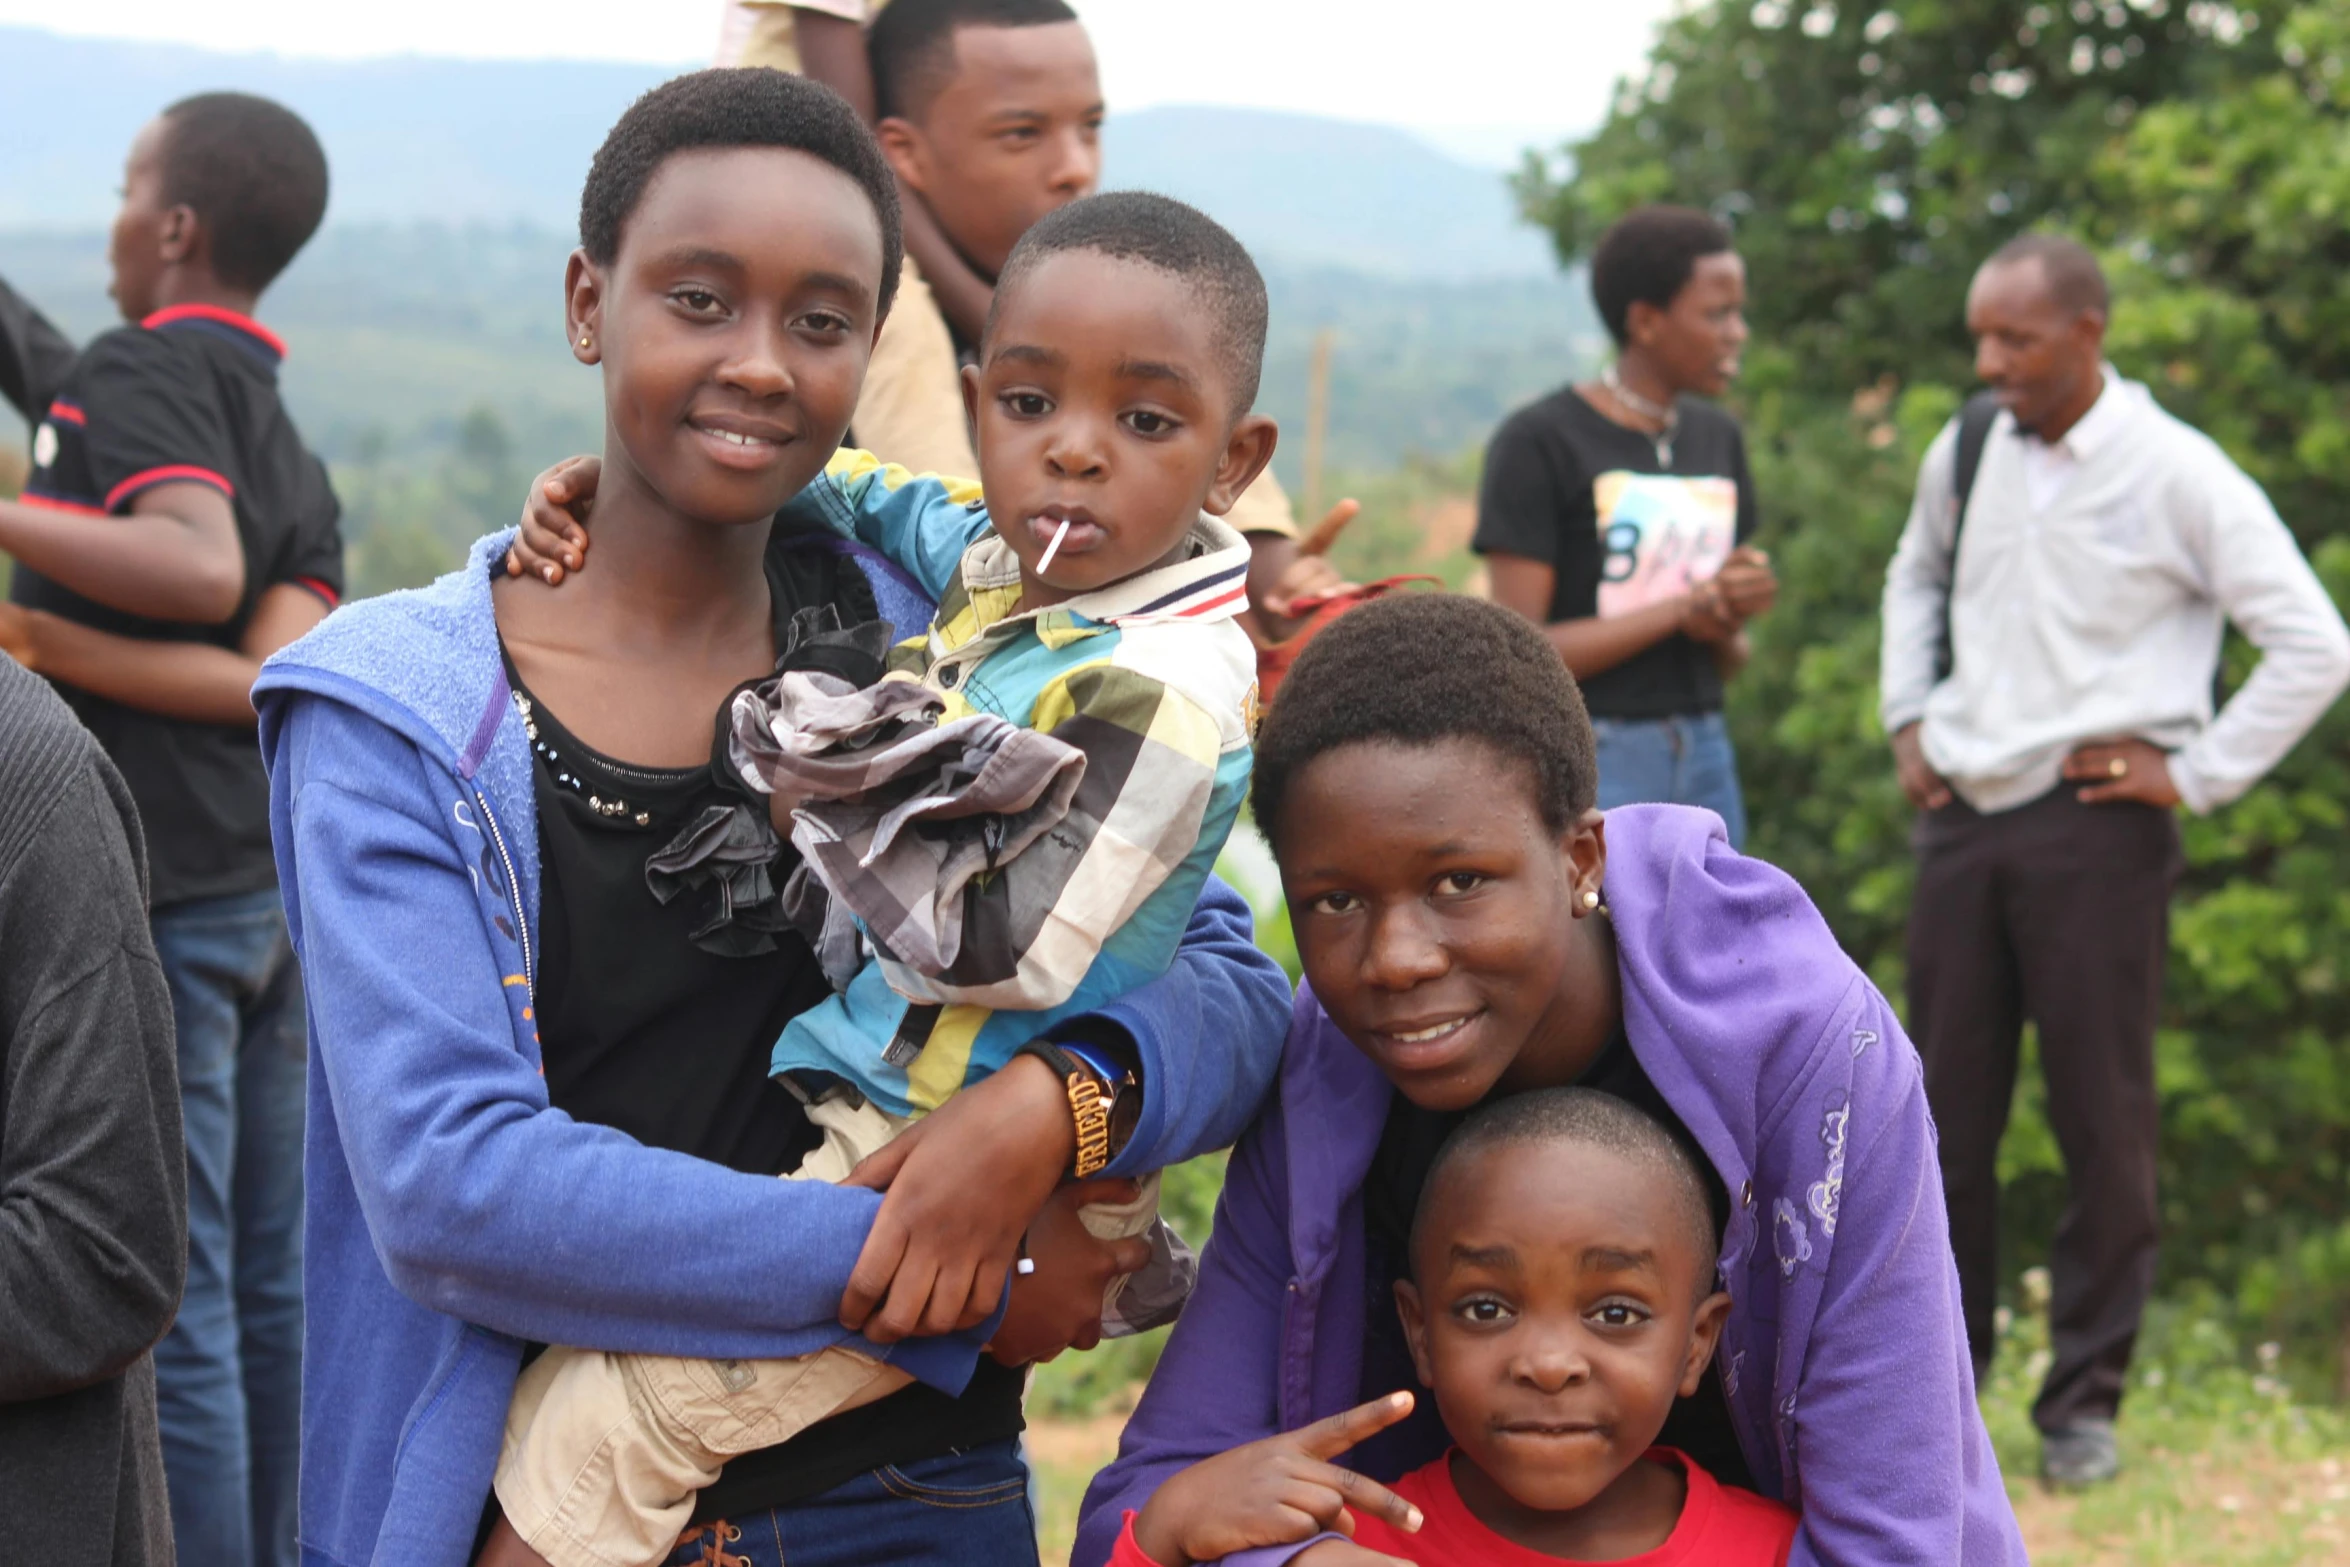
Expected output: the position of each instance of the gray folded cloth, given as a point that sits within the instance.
(729, 850)
(894, 813)
(1156, 1295)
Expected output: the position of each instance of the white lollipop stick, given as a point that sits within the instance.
(1052, 549)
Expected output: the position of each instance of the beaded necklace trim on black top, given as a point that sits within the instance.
(596, 802)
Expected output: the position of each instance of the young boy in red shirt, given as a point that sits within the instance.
(1562, 1296)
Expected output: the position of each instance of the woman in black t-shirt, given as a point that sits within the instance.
(1615, 514)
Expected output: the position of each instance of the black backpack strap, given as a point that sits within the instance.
(1974, 432)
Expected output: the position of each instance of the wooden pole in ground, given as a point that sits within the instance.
(1317, 422)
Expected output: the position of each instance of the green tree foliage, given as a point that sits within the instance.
(1870, 157)
(407, 519)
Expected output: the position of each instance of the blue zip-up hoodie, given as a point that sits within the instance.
(453, 1216)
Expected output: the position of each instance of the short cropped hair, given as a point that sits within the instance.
(1646, 258)
(1591, 1119)
(1418, 669)
(1162, 233)
(2075, 280)
(746, 107)
(252, 171)
(912, 45)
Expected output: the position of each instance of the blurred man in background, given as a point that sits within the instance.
(2052, 627)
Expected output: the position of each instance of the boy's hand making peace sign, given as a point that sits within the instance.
(1277, 1492)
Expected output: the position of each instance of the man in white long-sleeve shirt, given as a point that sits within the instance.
(2047, 681)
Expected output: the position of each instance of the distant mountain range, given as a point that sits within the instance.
(506, 143)
(400, 330)
(1302, 191)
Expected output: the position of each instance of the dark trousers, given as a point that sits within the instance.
(2058, 912)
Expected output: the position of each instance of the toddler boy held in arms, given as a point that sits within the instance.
(1006, 830)
(1562, 1294)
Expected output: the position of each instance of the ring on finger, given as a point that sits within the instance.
(2119, 767)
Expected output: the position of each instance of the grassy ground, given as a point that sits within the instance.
(2220, 1464)
(1065, 1453)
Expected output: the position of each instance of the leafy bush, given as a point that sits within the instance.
(1870, 157)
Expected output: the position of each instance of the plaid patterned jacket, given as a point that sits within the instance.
(1150, 678)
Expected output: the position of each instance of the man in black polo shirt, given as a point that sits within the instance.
(174, 533)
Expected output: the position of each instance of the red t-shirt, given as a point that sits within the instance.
(1718, 1528)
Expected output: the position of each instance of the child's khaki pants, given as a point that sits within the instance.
(604, 1453)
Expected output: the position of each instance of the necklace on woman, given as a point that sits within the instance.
(1667, 414)
(596, 802)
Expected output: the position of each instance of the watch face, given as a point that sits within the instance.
(1125, 1110)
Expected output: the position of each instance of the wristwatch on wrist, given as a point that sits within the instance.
(1104, 1102)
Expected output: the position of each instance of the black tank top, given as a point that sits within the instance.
(658, 1022)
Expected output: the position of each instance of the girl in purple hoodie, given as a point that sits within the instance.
(1471, 927)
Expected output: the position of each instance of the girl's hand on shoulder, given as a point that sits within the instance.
(1277, 1492)
(554, 538)
(1058, 1306)
(964, 1183)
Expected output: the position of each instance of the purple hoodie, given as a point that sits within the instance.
(1844, 1360)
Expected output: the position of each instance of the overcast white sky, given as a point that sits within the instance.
(1490, 76)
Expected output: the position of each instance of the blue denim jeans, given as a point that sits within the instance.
(966, 1509)
(1671, 761)
(229, 1374)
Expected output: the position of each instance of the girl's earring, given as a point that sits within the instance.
(1590, 898)
(583, 340)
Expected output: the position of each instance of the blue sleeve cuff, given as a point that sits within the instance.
(946, 1363)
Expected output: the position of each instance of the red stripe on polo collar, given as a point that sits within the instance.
(243, 323)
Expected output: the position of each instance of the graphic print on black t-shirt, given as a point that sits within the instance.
(1571, 488)
(1660, 534)
(188, 396)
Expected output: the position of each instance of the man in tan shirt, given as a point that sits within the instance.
(990, 111)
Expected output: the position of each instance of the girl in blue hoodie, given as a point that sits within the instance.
(540, 1109)
(1470, 928)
